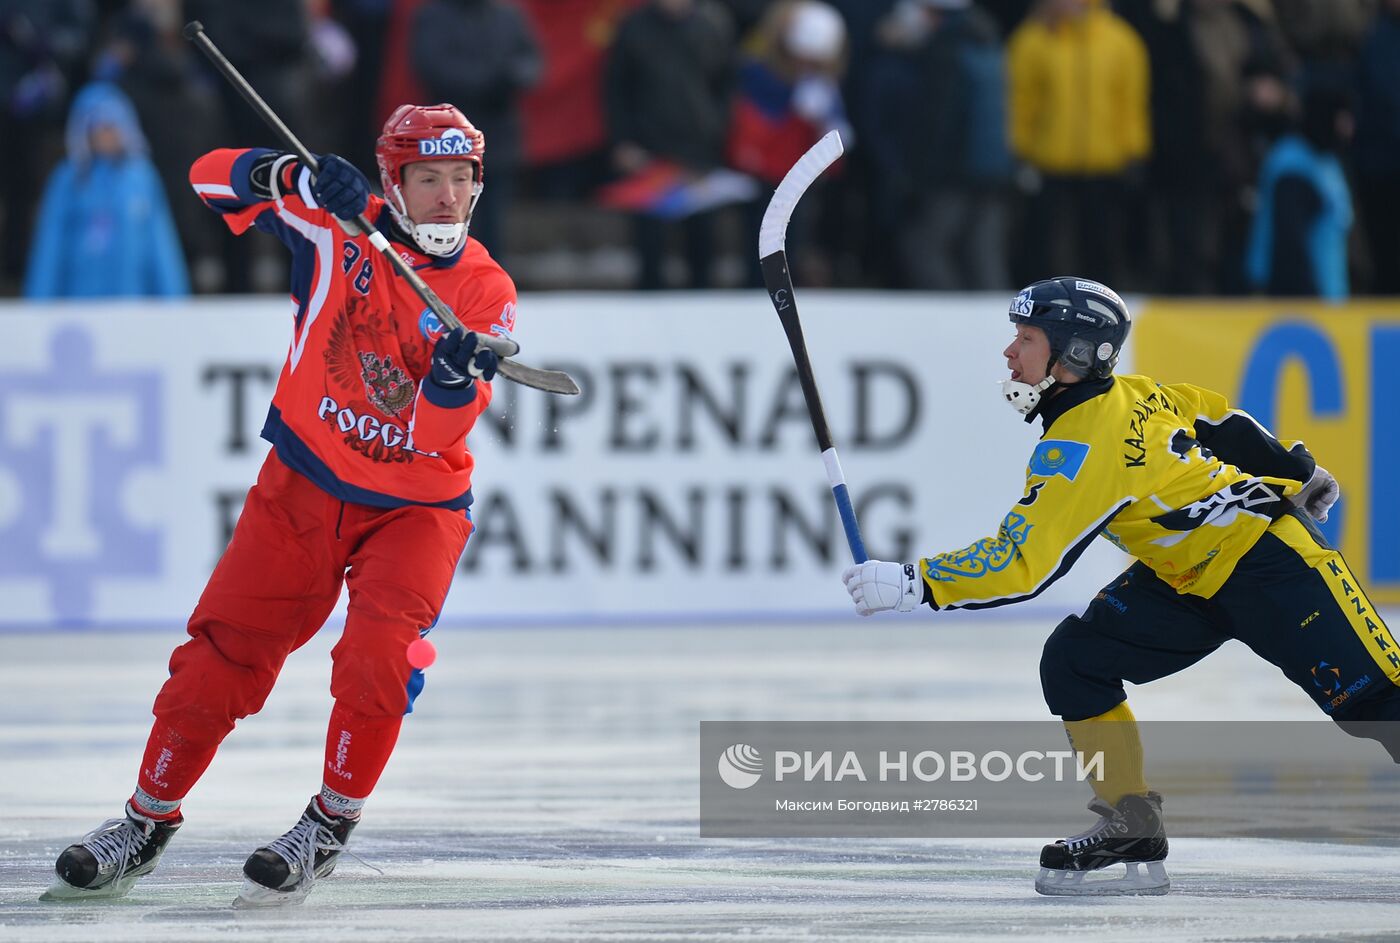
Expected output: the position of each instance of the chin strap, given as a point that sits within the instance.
(437, 239)
(1022, 396)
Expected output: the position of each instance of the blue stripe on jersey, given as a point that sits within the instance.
(297, 456)
(223, 205)
(269, 222)
(240, 176)
(384, 222)
(444, 261)
(303, 271)
(303, 257)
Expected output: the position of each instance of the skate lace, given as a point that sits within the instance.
(1110, 824)
(116, 842)
(299, 846)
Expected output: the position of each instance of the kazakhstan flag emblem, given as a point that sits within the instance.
(1058, 457)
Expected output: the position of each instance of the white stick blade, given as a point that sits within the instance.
(773, 230)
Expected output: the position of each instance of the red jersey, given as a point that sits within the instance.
(355, 409)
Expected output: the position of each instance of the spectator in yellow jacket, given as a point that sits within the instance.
(1080, 121)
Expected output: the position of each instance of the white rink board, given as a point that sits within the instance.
(128, 434)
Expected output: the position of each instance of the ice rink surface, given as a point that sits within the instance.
(546, 789)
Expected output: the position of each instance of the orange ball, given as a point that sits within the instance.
(421, 653)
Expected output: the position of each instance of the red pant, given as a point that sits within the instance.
(270, 593)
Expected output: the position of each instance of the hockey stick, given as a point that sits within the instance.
(772, 254)
(551, 381)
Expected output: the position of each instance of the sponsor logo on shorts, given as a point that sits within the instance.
(1119, 605)
(1327, 678)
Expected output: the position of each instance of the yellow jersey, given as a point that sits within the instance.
(1170, 474)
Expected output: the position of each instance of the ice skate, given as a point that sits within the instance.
(1130, 834)
(111, 858)
(284, 872)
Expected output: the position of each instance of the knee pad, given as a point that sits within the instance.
(1056, 658)
(1075, 683)
(216, 679)
(373, 681)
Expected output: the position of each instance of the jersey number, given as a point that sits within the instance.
(349, 255)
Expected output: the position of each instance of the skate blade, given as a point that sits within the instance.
(61, 890)
(1147, 878)
(253, 896)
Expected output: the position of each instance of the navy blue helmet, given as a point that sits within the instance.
(1085, 321)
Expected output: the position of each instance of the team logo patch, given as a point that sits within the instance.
(506, 322)
(430, 325)
(451, 143)
(1105, 350)
(387, 387)
(1021, 304)
(1058, 457)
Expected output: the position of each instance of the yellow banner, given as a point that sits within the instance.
(1326, 374)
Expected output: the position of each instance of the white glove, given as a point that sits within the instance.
(1318, 495)
(876, 586)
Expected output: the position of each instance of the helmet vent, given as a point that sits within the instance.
(1094, 304)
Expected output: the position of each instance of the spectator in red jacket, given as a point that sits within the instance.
(788, 95)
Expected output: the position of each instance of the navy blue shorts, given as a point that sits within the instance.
(1311, 620)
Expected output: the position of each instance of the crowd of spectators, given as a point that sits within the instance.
(1186, 147)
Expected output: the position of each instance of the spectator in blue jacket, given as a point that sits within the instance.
(1298, 242)
(104, 227)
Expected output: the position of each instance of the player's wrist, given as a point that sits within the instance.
(273, 174)
(911, 588)
(448, 397)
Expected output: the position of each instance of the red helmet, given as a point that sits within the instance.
(426, 132)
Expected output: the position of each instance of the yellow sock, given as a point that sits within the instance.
(1115, 735)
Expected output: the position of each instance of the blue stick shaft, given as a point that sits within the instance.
(848, 523)
(837, 477)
